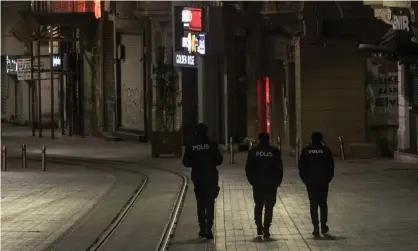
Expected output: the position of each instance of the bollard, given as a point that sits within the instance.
(297, 151)
(250, 145)
(4, 158)
(43, 152)
(24, 160)
(231, 151)
(279, 143)
(342, 148)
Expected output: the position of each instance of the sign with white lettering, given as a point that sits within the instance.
(263, 154)
(401, 23)
(184, 60)
(194, 43)
(11, 65)
(24, 69)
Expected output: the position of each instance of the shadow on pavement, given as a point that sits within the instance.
(261, 239)
(190, 241)
(329, 237)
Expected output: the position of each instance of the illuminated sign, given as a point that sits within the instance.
(192, 19)
(56, 61)
(184, 60)
(194, 43)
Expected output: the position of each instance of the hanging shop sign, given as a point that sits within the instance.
(194, 43)
(192, 19)
(182, 59)
(11, 64)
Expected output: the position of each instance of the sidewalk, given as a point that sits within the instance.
(372, 206)
(76, 147)
(38, 207)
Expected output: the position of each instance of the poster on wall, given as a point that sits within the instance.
(382, 93)
(24, 69)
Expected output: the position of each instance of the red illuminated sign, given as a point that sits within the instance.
(192, 19)
(267, 104)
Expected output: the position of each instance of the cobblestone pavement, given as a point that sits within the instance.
(37, 207)
(373, 206)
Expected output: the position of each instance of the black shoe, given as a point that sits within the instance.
(202, 233)
(266, 233)
(315, 231)
(324, 229)
(209, 234)
(259, 230)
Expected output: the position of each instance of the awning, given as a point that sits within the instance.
(397, 43)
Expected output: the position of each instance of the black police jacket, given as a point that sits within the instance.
(203, 156)
(316, 165)
(264, 166)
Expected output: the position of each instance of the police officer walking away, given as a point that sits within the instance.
(264, 170)
(203, 156)
(316, 169)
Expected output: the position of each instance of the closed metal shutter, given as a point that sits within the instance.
(414, 88)
(4, 95)
(413, 131)
(132, 83)
(412, 117)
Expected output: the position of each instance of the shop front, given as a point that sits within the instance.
(189, 50)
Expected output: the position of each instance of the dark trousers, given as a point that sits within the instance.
(264, 197)
(318, 195)
(205, 200)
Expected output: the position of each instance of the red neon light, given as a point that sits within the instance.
(73, 6)
(260, 105)
(267, 79)
(97, 9)
(196, 23)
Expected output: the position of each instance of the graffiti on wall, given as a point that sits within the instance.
(382, 92)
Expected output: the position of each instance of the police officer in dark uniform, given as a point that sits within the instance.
(203, 156)
(316, 169)
(264, 170)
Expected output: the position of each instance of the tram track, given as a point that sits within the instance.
(134, 200)
(111, 228)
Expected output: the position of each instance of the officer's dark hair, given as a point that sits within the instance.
(264, 137)
(201, 129)
(317, 137)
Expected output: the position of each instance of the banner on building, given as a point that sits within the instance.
(382, 93)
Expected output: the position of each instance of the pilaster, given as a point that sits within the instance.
(403, 111)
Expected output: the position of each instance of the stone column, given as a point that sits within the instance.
(403, 111)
